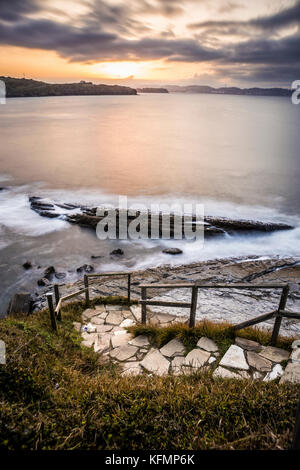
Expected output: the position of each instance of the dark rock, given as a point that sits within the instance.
(48, 273)
(3, 188)
(87, 268)
(117, 252)
(60, 275)
(66, 206)
(83, 220)
(34, 198)
(172, 251)
(27, 265)
(51, 215)
(43, 282)
(20, 303)
(253, 225)
(96, 256)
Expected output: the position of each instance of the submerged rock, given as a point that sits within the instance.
(87, 268)
(172, 251)
(117, 252)
(27, 265)
(48, 273)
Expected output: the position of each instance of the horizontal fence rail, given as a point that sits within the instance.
(277, 314)
(55, 313)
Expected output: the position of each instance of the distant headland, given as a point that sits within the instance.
(229, 90)
(22, 87)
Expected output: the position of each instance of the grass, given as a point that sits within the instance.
(222, 333)
(57, 394)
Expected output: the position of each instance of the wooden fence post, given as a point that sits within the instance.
(128, 288)
(51, 310)
(57, 297)
(144, 311)
(277, 323)
(86, 285)
(193, 306)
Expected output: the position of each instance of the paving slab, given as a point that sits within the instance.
(173, 348)
(177, 364)
(136, 311)
(123, 353)
(275, 373)
(258, 362)
(127, 322)
(225, 373)
(155, 362)
(291, 373)
(234, 358)
(114, 317)
(103, 328)
(274, 354)
(120, 340)
(97, 321)
(207, 344)
(88, 314)
(141, 341)
(102, 343)
(248, 344)
(295, 356)
(197, 358)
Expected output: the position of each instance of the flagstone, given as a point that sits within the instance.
(140, 341)
(225, 373)
(291, 373)
(235, 358)
(173, 348)
(119, 340)
(275, 373)
(123, 353)
(248, 344)
(155, 362)
(114, 317)
(258, 362)
(274, 354)
(295, 356)
(196, 358)
(207, 344)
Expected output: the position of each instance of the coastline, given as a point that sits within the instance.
(231, 305)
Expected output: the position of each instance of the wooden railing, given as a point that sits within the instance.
(277, 314)
(55, 313)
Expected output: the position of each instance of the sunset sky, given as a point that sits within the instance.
(214, 42)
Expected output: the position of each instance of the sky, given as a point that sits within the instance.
(207, 42)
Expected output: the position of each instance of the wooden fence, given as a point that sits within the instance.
(55, 313)
(192, 305)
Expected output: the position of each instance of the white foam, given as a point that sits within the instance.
(16, 215)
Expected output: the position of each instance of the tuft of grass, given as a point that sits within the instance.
(222, 333)
(57, 394)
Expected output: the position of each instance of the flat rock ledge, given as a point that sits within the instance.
(104, 329)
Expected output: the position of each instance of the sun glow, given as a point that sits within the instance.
(119, 69)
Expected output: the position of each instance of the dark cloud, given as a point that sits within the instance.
(114, 32)
(13, 10)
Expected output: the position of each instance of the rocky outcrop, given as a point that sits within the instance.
(20, 303)
(87, 217)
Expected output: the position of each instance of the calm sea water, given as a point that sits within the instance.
(239, 156)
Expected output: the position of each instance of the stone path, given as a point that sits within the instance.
(104, 329)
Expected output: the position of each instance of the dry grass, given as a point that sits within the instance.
(56, 394)
(222, 333)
